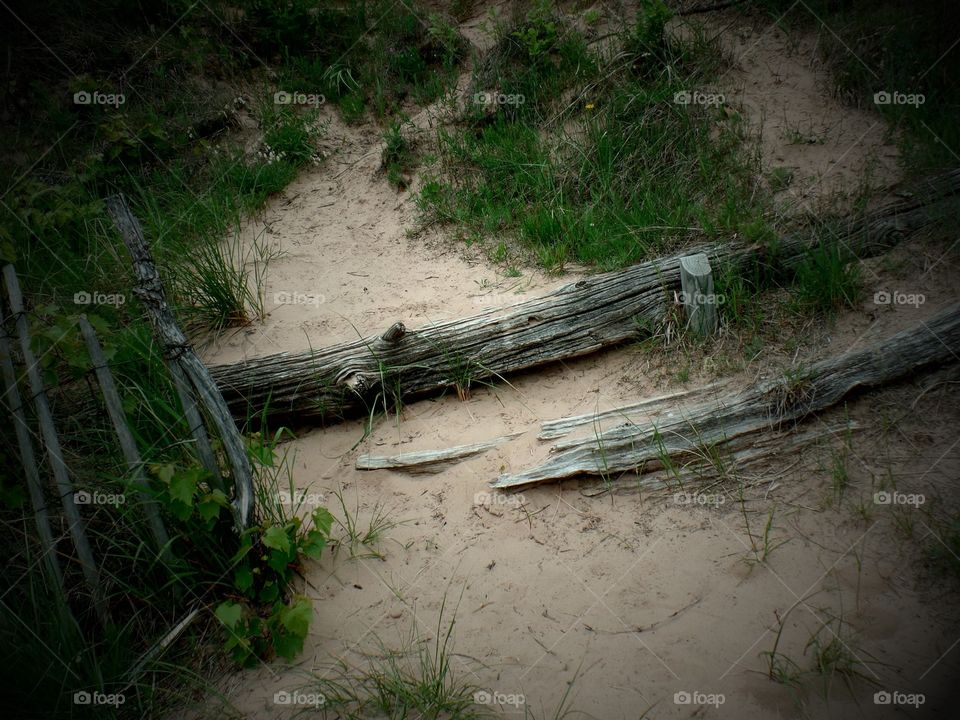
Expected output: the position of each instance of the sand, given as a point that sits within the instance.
(639, 601)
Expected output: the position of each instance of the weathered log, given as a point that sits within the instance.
(551, 429)
(740, 455)
(767, 405)
(576, 319)
(428, 460)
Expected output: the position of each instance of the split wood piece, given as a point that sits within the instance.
(744, 453)
(551, 429)
(29, 461)
(149, 289)
(430, 461)
(577, 319)
(762, 407)
(111, 398)
(48, 433)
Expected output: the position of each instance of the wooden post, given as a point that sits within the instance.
(149, 289)
(49, 434)
(29, 462)
(699, 301)
(130, 453)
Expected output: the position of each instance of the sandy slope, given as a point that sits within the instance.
(632, 598)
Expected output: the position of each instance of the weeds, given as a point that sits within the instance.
(585, 159)
(362, 541)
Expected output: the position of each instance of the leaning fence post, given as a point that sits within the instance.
(149, 289)
(115, 409)
(195, 422)
(29, 462)
(49, 434)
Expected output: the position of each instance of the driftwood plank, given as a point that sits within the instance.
(574, 320)
(765, 406)
(429, 460)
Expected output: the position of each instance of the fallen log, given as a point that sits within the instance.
(712, 425)
(577, 319)
(551, 429)
(429, 460)
(740, 456)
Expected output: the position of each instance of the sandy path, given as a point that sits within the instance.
(632, 598)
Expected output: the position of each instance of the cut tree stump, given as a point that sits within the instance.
(699, 300)
(583, 317)
(713, 425)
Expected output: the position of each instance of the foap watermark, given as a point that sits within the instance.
(301, 497)
(698, 698)
(494, 299)
(696, 97)
(98, 298)
(298, 298)
(95, 97)
(885, 297)
(885, 697)
(285, 697)
(885, 97)
(494, 697)
(498, 98)
(85, 497)
(686, 498)
(83, 697)
(282, 97)
(488, 499)
(699, 298)
(886, 497)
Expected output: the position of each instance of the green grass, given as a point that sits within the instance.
(598, 164)
(827, 280)
(418, 680)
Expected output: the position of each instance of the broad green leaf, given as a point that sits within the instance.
(183, 486)
(322, 520)
(276, 537)
(314, 544)
(298, 616)
(229, 613)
